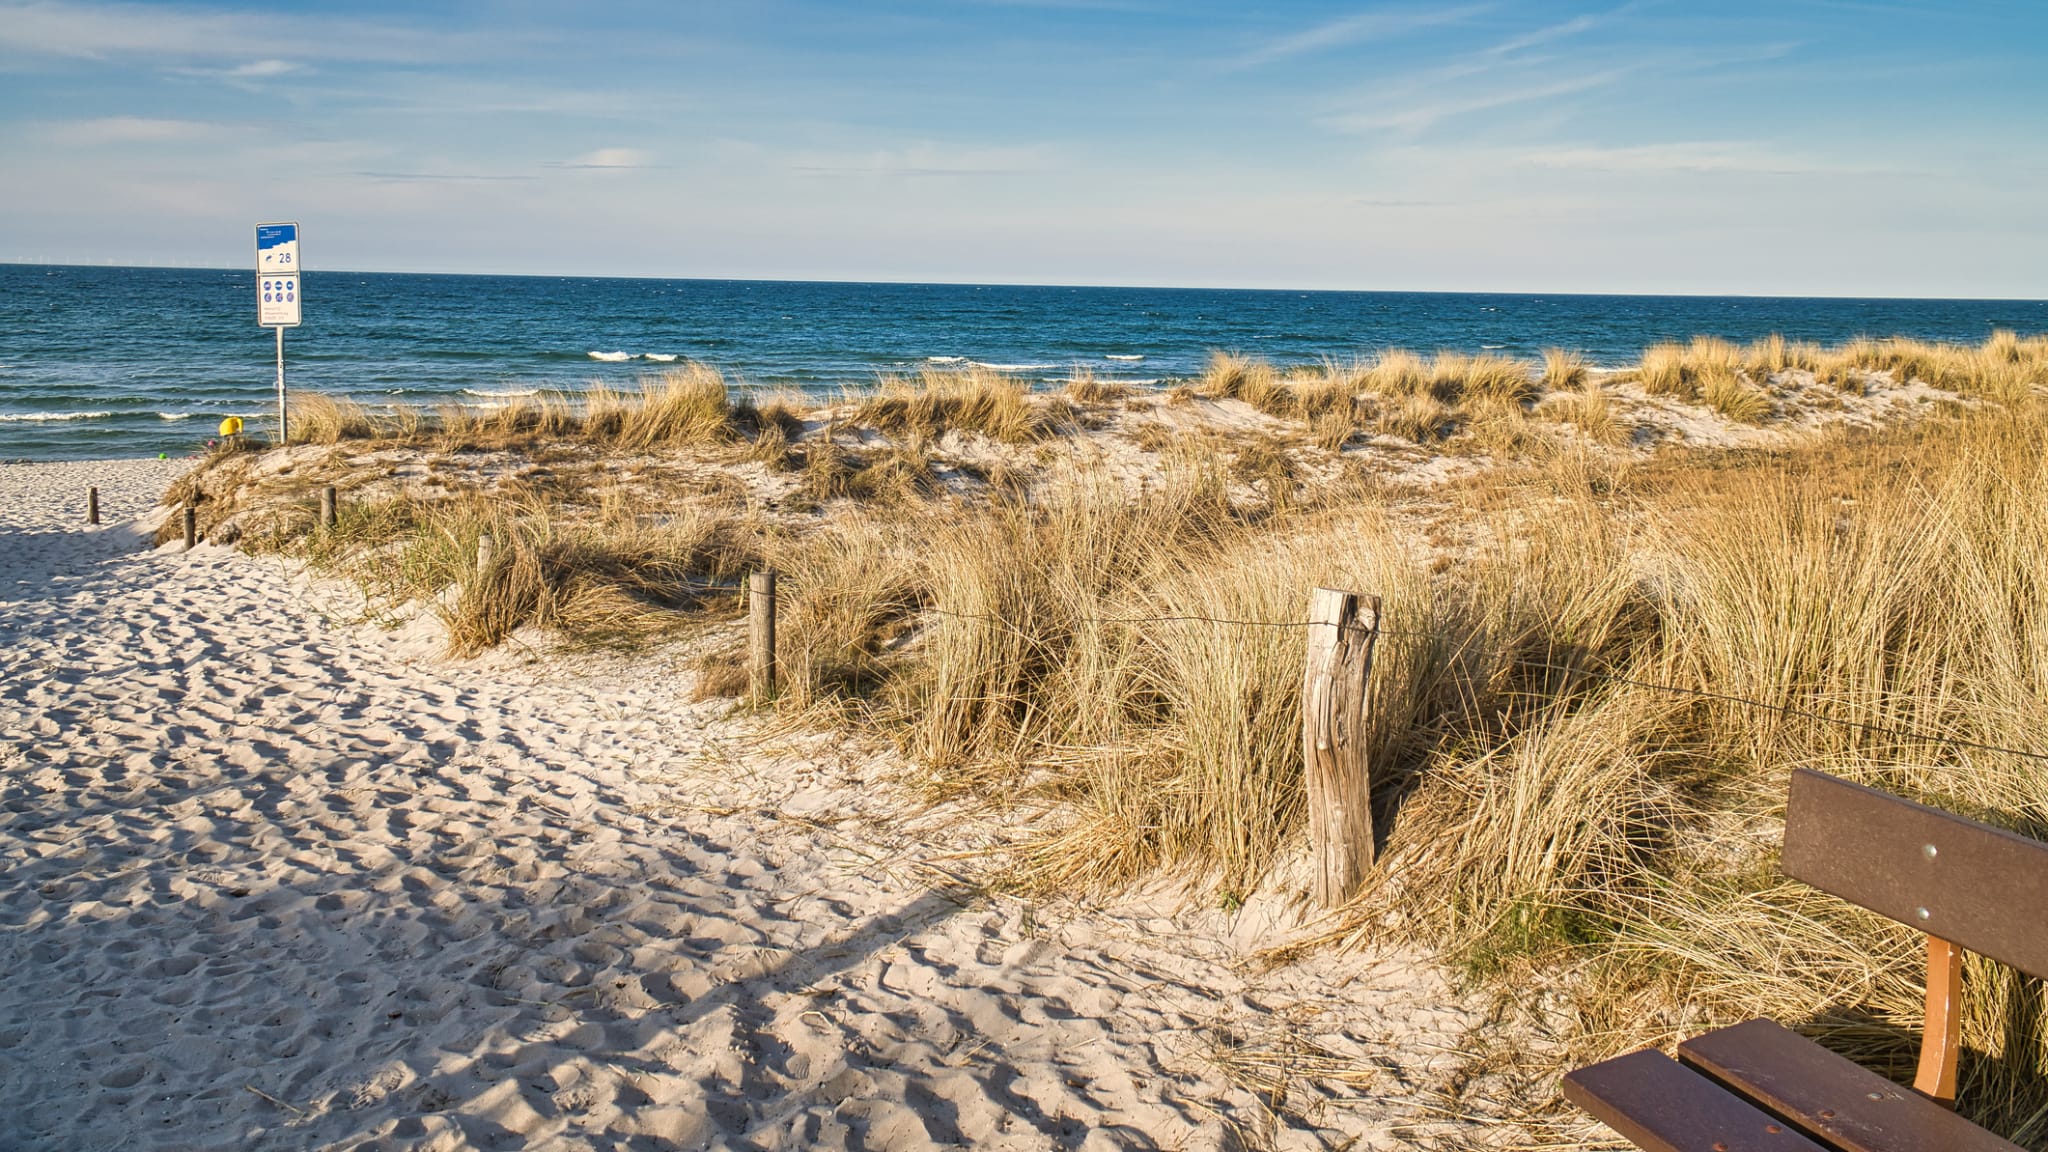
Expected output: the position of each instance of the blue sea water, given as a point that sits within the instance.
(106, 362)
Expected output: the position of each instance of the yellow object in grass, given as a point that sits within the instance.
(232, 426)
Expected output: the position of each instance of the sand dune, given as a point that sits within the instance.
(274, 879)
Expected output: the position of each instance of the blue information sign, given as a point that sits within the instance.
(277, 248)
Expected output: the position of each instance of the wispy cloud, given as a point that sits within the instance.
(1703, 156)
(1378, 24)
(253, 70)
(1546, 34)
(611, 159)
(437, 177)
(130, 130)
(102, 31)
(925, 159)
(1406, 203)
(1413, 112)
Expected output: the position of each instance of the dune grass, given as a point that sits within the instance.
(1541, 816)
(1563, 370)
(935, 402)
(1098, 651)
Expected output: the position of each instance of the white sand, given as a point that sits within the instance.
(273, 879)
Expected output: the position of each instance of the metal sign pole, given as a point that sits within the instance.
(284, 433)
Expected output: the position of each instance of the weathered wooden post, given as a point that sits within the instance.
(92, 505)
(486, 555)
(761, 634)
(1343, 627)
(191, 527)
(327, 507)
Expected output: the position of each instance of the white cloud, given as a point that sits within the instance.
(1698, 156)
(58, 28)
(130, 130)
(1404, 112)
(261, 69)
(926, 158)
(1374, 25)
(609, 158)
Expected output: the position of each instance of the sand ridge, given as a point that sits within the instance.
(273, 880)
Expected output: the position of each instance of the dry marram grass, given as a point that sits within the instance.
(1098, 649)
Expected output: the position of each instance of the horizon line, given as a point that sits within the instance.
(311, 273)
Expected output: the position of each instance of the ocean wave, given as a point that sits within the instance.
(1014, 367)
(659, 357)
(49, 417)
(611, 356)
(1114, 356)
(945, 359)
(174, 415)
(499, 391)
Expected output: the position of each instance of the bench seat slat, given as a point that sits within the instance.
(1828, 1096)
(1662, 1106)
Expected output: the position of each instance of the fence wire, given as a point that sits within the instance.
(1902, 734)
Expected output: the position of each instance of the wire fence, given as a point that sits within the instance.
(1897, 733)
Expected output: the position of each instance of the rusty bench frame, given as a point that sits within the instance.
(1756, 1085)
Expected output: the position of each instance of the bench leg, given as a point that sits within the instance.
(1941, 1044)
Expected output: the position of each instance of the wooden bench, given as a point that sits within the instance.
(1757, 1087)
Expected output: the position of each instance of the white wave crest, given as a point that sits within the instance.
(49, 417)
(1014, 367)
(501, 391)
(945, 359)
(174, 415)
(659, 357)
(1114, 356)
(611, 356)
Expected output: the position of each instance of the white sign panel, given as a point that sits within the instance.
(277, 300)
(277, 248)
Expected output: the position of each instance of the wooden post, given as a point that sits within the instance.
(486, 554)
(761, 634)
(191, 527)
(1343, 629)
(92, 505)
(327, 508)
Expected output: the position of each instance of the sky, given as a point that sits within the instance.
(1796, 147)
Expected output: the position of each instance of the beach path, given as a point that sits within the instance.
(270, 878)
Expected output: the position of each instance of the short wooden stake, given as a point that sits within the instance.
(92, 505)
(191, 527)
(486, 554)
(327, 510)
(1334, 727)
(761, 634)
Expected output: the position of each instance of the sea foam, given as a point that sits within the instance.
(660, 357)
(501, 391)
(611, 356)
(1114, 356)
(48, 417)
(174, 415)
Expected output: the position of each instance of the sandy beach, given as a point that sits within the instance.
(276, 877)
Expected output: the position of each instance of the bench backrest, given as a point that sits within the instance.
(1981, 887)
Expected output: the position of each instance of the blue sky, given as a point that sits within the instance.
(1834, 147)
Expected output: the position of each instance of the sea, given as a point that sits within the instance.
(99, 362)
